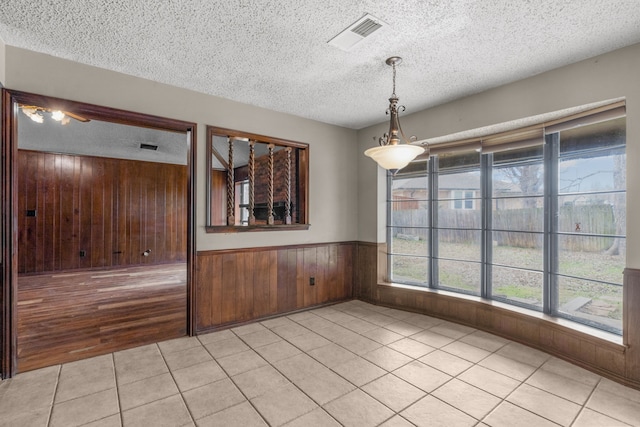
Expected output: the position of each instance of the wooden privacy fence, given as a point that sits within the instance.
(463, 226)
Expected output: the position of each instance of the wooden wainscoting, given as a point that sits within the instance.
(580, 345)
(96, 212)
(631, 325)
(240, 285)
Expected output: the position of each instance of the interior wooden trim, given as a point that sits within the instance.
(8, 257)
(270, 248)
(245, 228)
(214, 130)
(10, 101)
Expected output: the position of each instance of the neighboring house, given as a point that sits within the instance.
(455, 192)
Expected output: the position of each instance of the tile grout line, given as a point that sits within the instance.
(234, 383)
(290, 382)
(584, 405)
(184, 402)
(53, 398)
(346, 312)
(450, 379)
(115, 378)
(514, 390)
(395, 413)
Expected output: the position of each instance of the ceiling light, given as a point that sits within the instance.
(57, 115)
(33, 114)
(395, 150)
(36, 114)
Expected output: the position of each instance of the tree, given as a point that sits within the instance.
(529, 179)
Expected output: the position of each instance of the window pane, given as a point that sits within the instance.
(518, 180)
(409, 189)
(468, 203)
(601, 170)
(459, 244)
(584, 256)
(415, 243)
(593, 303)
(610, 134)
(458, 218)
(518, 286)
(522, 250)
(518, 214)
(459, 275)
(459, 185)
(409, 214)
(406, 269)
(601, 213)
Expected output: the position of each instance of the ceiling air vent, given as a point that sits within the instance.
(144, 146)
(356, 32)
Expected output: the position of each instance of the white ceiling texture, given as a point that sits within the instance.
(274, 53)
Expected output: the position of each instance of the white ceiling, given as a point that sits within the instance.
(274, 53)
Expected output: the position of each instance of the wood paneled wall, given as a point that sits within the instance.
(110, 209)
(235, 286)
(619, 362)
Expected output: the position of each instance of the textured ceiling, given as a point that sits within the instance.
(102, 139)
(274, 53)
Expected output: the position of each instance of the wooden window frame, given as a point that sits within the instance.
(302, 182)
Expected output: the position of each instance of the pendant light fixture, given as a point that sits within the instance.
(395, 150)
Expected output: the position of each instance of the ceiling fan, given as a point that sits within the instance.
(36, 114)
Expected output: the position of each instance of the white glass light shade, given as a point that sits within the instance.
(394, 157)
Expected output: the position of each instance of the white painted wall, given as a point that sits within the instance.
(612, 75)
(333, 150)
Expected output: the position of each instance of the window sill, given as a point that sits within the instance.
(612, 341)
(241, 229)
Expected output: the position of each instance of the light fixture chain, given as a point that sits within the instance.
(394, 80)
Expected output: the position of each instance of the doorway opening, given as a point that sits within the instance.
(103, 203)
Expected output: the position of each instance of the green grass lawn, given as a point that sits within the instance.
(514, 283)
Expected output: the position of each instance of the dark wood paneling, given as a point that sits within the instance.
(366, 273)
(112, 209)
(631, 326)
(236, 286)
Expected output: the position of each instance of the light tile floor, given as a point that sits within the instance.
(351, 364)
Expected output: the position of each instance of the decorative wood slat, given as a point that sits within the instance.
(270, 218)
(252, 182)
(230, 187)
(253, 283)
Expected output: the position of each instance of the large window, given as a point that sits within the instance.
(535, 222)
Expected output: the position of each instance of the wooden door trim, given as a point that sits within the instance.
(8, 201)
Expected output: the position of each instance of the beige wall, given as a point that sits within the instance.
(2, 62)
(333, 150)
(608, 76)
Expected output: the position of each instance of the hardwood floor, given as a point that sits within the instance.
(69, 316)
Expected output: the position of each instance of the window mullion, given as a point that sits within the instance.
(487, 239)
(550, 291)
(433, 222)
